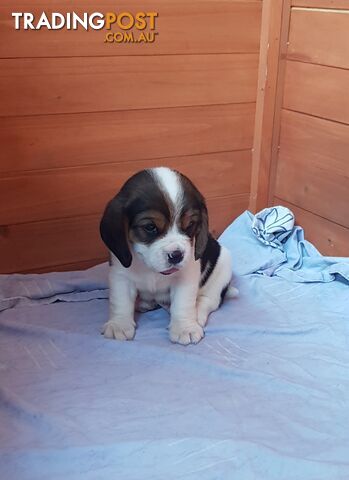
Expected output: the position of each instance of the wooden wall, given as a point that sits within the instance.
(306, 166)
(78, 116)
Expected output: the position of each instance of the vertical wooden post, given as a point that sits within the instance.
(274, 34)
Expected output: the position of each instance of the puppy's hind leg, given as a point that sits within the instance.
(206, 305)
(216, 288)
(232, 292)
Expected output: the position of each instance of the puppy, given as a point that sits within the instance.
(162, 254)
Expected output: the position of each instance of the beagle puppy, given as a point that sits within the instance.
(162, 254)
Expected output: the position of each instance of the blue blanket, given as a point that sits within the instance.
(265, 395)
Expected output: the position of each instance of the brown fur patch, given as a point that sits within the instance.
(138, 232)
(189, 221)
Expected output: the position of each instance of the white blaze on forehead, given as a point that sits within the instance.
(170, 184)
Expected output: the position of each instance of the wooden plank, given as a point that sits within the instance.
(320, 37)
(198, 26)
(279, 97)
(317, 90)
(331, 239)
(49, 141)
(69, 267)
(29, 246)
(223, 210)
(338, 4)
(70, 85)
(42, 244)
(69, 192)
(313, 167)
(269, 98)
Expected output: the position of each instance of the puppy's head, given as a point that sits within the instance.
(159, 216)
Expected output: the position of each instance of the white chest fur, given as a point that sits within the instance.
(150, 286)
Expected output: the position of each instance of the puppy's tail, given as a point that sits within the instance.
(232, 292)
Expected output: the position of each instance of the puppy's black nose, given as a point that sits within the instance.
(175, 257)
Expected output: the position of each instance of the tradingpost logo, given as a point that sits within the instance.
(123, 27)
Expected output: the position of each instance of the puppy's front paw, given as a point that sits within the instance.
(118, 330)
(186, 334)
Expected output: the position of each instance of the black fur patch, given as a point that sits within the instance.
(141, 192)
(194, 200)
(223, 294)
(209, 259)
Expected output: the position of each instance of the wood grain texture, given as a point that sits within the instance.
(223, 210)
(317, 90)
(337, 4)
(79, 116)
(319, 37)
(331, 239)
(50, 141)
(70, 85)
(69, 267)
(313, 167)
(274, 34)
(27, 247)
(198, 26)
(85, 190)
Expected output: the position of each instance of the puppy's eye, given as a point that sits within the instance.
(190, 228)
(150, 228)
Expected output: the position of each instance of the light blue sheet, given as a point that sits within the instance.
(264, 396)
(295, 259)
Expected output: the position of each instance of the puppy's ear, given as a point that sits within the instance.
(113, 229)
(201, 236)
